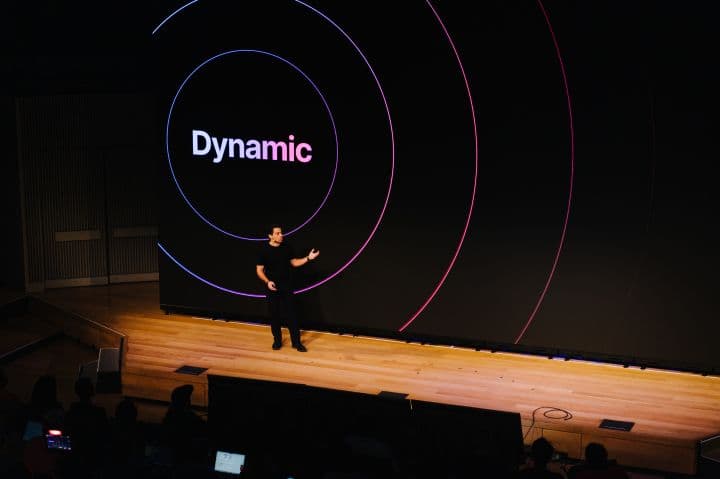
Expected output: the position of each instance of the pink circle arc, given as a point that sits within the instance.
(475, 178)
(551, 275)
(472, 202)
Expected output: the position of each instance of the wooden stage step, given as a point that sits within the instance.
(20, 333)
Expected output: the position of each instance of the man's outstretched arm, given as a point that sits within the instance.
(296, 262)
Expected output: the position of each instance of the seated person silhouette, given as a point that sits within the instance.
(596, 465)
(540, 454)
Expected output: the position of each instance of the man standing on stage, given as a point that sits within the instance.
(274, 262)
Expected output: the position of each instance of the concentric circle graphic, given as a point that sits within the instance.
(193, 207)
(390, 180)
(352, 257)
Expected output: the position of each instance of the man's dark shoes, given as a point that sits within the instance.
(300, 348)
(277, 345)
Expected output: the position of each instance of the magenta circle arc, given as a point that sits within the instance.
(570, 193)
(390, 182)
(566, 220)
(169, 157)
(454, 258)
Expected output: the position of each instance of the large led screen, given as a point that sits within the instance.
(528, 175)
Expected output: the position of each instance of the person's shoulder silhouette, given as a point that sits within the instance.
(597, 465)
(540, 455)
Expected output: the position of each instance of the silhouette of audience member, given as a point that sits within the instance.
(184, 432)
(541, 454)
(45, 409)
(11, 411)
(127, 438)
(44, 405)
(10, 404)
(87, 424)
(596, 465)
(12, 427)
(15, 470)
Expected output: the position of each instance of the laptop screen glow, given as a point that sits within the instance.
(229, 462)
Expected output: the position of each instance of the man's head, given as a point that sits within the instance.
(181, 396)
(84, 388)
(596, 454)
(541, 452)
(276, 235)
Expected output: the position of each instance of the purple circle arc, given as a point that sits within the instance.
(392, 166)
(172, 171)
(203, 280)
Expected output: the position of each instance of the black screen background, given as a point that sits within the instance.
(636, 273)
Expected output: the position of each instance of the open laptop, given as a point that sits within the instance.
(229, 464)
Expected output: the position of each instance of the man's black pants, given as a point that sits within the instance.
(281, 306)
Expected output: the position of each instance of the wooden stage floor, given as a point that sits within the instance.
(672, 411)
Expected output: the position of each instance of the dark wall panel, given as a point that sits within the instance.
(86, 172)
(131, 178)
(11, 258)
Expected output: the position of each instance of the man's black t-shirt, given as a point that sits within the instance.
(276, 260)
